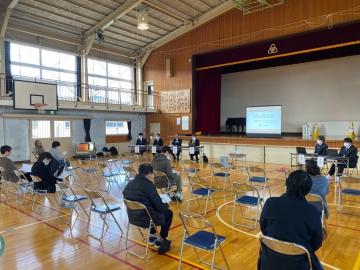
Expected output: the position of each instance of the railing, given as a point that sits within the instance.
(95, 95)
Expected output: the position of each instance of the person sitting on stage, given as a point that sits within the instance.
(320, 146)
(161, 162)
(196, 144)
(143, 190)
(177, 142)
(158, 142)
(142, 142)
(320, 184)
(38, 149)
(281, 220)
(347, 151)
(7, 164)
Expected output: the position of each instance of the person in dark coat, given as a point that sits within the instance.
(321, 147)
(194, 142)
(158, 142)
(292, 219)
(142, 142)
(177, 142)
(45, 169)
(142, 190)
(349, 151)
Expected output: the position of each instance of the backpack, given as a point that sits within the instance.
(205, 158)
(105, 149)
(113, 151)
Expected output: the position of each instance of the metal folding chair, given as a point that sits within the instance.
(162, 183)
(139, 217)
(242, 198)
(188, 168)
(37, 192)
(4, 185)
(109, 175)
(130, 173)
(69, 198)
(220, 172)
(99, 205)
(349, 186)
(198, 190)
(199, 233)
(318, 202)
(23, 187)
(257, 177)
(286, 248)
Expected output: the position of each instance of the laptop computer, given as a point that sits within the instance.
(332, 152)
(301, 150)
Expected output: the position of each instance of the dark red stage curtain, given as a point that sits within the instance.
(208, 101)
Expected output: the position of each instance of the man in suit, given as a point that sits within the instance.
(158, 142)
(177, 142)
(280, 219)
(143, 190)
(348, 150)
(196, 144)
(142, 142)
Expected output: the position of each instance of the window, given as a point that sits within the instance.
(116, 128)
(40, 129)
(45, 65)
(62, 129)
(110, 81)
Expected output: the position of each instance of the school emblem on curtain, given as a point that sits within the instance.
(272, 49)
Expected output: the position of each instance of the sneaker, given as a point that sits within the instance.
(157, 243)
(179, 196)
(152, 240)
(337, 179)
(164, 246)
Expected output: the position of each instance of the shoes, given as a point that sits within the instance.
(152, 240)
(164, 246)
(337, 179)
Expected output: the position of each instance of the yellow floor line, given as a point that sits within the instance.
(357, 263)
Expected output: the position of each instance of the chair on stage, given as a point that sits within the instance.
(220, 171)
(140, 218)
(200, 234)
(318, 202)
(285, 248)
(199, 191)
(349, 186)
(257, 177)
(242, 198)
(103, 208)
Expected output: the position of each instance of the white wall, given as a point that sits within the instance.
(327, 90)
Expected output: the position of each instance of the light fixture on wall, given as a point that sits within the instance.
(143, 20)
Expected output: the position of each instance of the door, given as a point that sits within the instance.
(48, 131)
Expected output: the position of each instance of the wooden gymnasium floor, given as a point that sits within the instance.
(41, 239)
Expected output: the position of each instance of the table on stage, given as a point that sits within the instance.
(154, 148)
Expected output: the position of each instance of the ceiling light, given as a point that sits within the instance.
(143, 20)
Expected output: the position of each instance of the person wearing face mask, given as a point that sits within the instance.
(42, 168)
(177, 142)
(56, 153)
(349, 151)
(162, 162)
(194, 143)
(158, 142)
(7, 164)
(142, 142)
(321, 147)
(38, 149)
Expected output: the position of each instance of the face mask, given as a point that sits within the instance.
(319, 142)
(140, 137)
(46, 162)
(157, 138)
(347, 145)
(193, 138)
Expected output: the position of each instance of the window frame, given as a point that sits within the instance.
(116, 120)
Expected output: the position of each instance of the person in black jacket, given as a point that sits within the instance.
(320, 146)
(349, 151)
(45, 169)
(142, 190)
(194, 143)
(177, 142)
(292, 219)
(158, 142)
(142, 142)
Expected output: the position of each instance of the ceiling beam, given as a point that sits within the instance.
(6, 6)
(157, 5)
(222, 8)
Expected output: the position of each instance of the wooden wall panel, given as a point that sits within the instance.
(233, 28)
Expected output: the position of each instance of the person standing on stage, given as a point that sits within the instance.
(177, 142)
(196, 144)
(142, 142)
(158, 142)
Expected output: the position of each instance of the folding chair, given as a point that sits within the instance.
(349, 186)
(318, 202)
(23, 186)
(286, 248)
(219, 171)
(199, 233)
(188, 169)
(242, 198)
(199, 190)
(257, 177)
(70, 197)
(37, 192)
(139, 217)
(100, 206)
(109, 176)
(162, 183)
(130, 173)
(4, 185)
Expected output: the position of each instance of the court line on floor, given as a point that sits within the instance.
(357, 263)
(344, 205)
(344, 227)
(253, 235)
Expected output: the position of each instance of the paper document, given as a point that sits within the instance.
(165, 198)
(26, 168)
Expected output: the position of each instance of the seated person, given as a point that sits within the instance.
(42, 168)
(320, 146)
(56, 153)
(7, 164)
(349, 151)
(194, 143)
(142, 190)
(281, 220)
(161, 162)
(320, 184)
(38, 149)
(158, 142)
(142, 142)
(177, 142)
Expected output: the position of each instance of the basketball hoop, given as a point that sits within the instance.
(40, 107)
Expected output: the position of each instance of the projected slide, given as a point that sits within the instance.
(263, 120)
